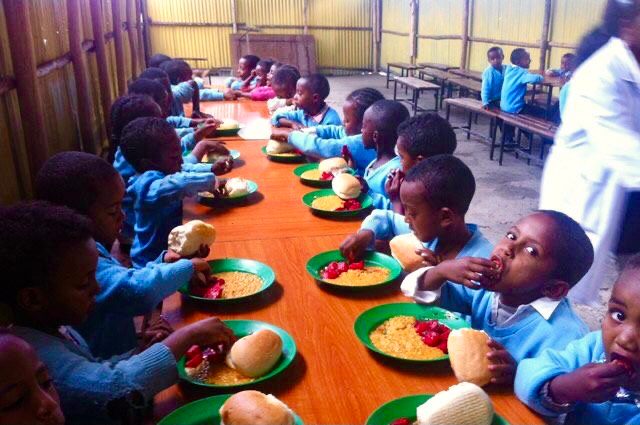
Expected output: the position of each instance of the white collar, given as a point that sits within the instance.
(545, 306)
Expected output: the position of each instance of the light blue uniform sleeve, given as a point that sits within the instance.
(196, 167)
(211, 94)
(454, 297)
(199, 81)
(182, 92)
(189, 159)
(313, 144)
(331, 131)
(530, 78)
(380, 201)
(178, 185)
(385, 224)
(179, 122)
(331, 118)
(487, 83)
(181, 132)
(188, 142)
(290, 115)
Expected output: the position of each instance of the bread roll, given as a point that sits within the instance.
(346, 186)
(462, 404)
(468, 355)
(255, 408)
(332, 165)
(274, 147)
(255, 354)
(186, 239)
(236, 186)
(229, 124)
(403, 249)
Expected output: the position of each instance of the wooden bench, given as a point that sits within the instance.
(417, 86)
(440, 66)
(438, 76)
(525, 124)
(404, 68)
(467, 73)
(464, 84)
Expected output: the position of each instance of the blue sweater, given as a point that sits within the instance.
(330, 117)
(534, 373)
(376, 179)
(385, 224)
(491, 84)
(328, 142)
(514, 88)
(87, 384)
(236, 84)
(183, 93)
(157, 203)
(124, 294)
(179, 122)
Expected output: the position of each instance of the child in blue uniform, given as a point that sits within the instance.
(419, 138)
(327, 141)
(566, 67)
(514, 86)
(245, 73)
(49, 260)
(492, 78)
(312, 110)
(283, 83)
(582, 380)
(155, 61)
(519, 297)
(91, 186)
(151, 146)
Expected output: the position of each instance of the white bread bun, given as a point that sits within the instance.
(403, 249)
(229, 124)
(236, 186)
(461, 404)
(255, 354)
(468, 355)
(187, 238)
(274, 147)
(346, 186)
(332, 165)
(255, 408)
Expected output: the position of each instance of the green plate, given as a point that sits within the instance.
(247, 327)
(368, 321)
(236, 265)
(233, 153)
(370, 259)
(203, 412)
(298, 171)
(364, 199)
(228, 133)
(205, 200)
(405, 407)
(285, 159)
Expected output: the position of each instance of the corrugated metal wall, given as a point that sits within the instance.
(439, 18)
(571, 19)
(396, 17)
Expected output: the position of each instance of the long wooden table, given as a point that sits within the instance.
(334, 379)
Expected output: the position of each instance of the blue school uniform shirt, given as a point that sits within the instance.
(533, 373)
(385, 224)
(183, 93)
(236, 84)
(491, 84)
(182, 125)
(86, 384)
(562, 98)
(327, 142)
(514, 88)
(157, 203)
(124, 294)
(376, 179)
(330, 117)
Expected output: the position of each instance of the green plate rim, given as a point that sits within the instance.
(228, 132)
(298, 171)
(369, 319)
(364, 198)
(377, 258)
(234, 153)
(283, 159)
(283, 363)
(252, 186)
(399, 404)
(248, 264)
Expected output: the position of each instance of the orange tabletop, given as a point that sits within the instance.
(334, 379)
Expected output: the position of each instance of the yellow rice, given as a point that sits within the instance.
(327, 203)
(398, 337)
(371, 275)
(239, 284)
(314, 174)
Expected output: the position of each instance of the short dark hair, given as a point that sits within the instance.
(568, 56)
(32, 236)
(517, 55)
(428, 135)
(632, 263)
(447, 181)
(73, 179)
(157, 60)
(149, 87)
(175, 69)
(265, 64)
(141, 138)
(388, 115)
(286, 75)
(318, 84)
(251, 60)
(154, 74)
(616, 12)
(124, 110)
(495, 49)
(363, 98)
(573, 249)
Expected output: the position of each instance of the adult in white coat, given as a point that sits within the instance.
(597, 148)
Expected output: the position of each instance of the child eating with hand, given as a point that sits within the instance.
(245, 75)
(584, 380)
(263, 90)
(283, 82)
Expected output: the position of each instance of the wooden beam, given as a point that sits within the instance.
(242, 25)
(81, 76)
(132, 40)
(121, 77)
(440, 37)
(505, 42)
(53, 65)
(413, 31)
(23, 57)
(544, 37)
(465, 34)
(402, 34)
(234, 16)
(101, 59)
(305, 17)
(562, 45)
(378, 34)
(145, 30)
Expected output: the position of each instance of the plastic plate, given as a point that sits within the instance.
(232, 152)
(286, 158)
(207, 200)
(310, 182)
(364, 199)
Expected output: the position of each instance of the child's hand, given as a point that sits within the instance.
(198, 114)
(364, 184)
(592, 383)
(156, 331)
(355, 245)
(486, 107)
(346, 155)
(429, 258)
(296, 126)
(464, 271)
(229, 94)
(207, 130)
(280, 134)
(205, 147)
(222, 166)
(502, 365)
(392, 185)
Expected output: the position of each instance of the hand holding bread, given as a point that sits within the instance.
(186, 240)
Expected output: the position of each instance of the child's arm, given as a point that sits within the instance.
(190, 141)
(380, 224)
(179, 122)
(179, 185)
(392, 187)
(287, 119)
(315, 144)
(530, 78)
(487, 83)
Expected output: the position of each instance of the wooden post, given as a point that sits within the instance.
(465, 34)
(379, 35)
(413, 32)
(23, 57)
(80, 73)
(145, 30)
(101, 60)
(234, 16)
(121, 77)
(305, 16)
(544, 38)
(131, 32)
(142, 57)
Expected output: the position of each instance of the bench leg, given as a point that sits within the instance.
(493, 138)
(405, 73)
(502, 142)
(388, 74)
(530, 149)
(435, 96)
(395, 89)
(469, 125)
(448, 111)
(416, 95)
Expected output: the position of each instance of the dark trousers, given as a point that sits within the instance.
(629, 242)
